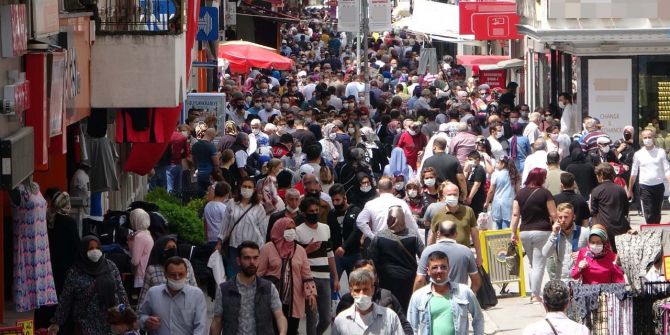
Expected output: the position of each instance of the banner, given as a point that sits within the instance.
(348, 15)
(493, 78)
(379, 13)
(610, 87)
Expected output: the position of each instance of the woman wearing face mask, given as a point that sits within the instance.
(285, 263)
(429, 180)
(505, 183)
(399, 187)
(245, 220)
(331, 148)
(494, 139)
(487, 161)
(552, 140)
(398, 165)
(92, 285)
(164, 248)
(414, 198)
(596, 263)
(140, 244)
(363, 191)
(394, 250)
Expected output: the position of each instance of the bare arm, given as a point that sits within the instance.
(515, 218)
(551, 207)
(489, 196)
(419, 282)
(462, 186)
(217, 326)
(474, 234)
(282, 323)
(473, 191)
(476, 281)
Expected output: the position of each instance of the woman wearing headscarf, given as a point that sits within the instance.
(347, 171)
(140, 244)
(394, 251)
(285, 263)
(241, 155)
(374, 154)
(398, 165)
(582, 169)
(596, 263)
(363, 191)
(229, 136)
(332, 150)
(164, 248)
(92, 285)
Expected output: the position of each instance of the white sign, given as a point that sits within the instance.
(214, 103)
(45, 17)
(230, 18)
(380, 12)
(349, 15)
(611, 93)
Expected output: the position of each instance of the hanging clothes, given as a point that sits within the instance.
(34, 285)
(636, 252)
(103, 176)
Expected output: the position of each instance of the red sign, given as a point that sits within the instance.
(13, 25)
(493, 78)
(466, 10)
(500, 26)
(18, 95)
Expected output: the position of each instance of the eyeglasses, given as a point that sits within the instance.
(439, 267)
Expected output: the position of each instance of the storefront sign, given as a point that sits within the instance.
(163, 11)
(379, 14)
(610, 91)
(214, 103)
(13, 26)
(56, 91)
(493, 78)
(17, 97)
(208, 24)
(230, 18)
(466, 11)
(348, 15)
(45, 17)
(500, 26)
(608, 9)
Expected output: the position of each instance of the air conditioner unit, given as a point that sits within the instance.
(18, 159)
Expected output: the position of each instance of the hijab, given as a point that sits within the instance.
(139, 220)
(105, 284)
(396, 220)
(398, 163)
(284, 247)
(158, 256)
(370, 138)
(60, 204)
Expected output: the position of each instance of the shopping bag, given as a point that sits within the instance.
(215, 263)
(484, 221)
(512, 259)
(334, 301)
(486, 295)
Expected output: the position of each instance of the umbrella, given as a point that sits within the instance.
(245, 55)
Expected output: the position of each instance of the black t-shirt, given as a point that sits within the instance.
(581, 208)
(305, 137)
(533, 208)
(446, 166)
(585, 177)
(478, 175)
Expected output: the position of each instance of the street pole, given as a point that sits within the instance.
(365, 30)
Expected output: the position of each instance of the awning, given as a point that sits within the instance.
(575, 34)
(503, 65)
(479, 60)
(246, 9)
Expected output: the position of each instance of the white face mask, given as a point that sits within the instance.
(554, 137)
(351, 130)
(363, 302)
(257, 104)
(605, 149)
(345, 106)
(399, 186)
(440, 283)
(366, 189)
(176, 285)
(256, 131)
(596, 248)
(514, 120)
(429, 182)
(648, 142)
(289, 235)
(94, 255)
(561, 104)
(499, 134)
(412, 193)
(308, 120)
(264, 90)
(247, 193)
(332, 136)
(297, 150)
(267, 106)
(412, 132)
(451, 200)
(291, 210)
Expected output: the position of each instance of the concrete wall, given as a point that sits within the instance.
(137, 71)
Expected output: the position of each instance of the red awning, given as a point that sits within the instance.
(245, 55)
(472, 60)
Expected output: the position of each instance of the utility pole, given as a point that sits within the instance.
(365, 30)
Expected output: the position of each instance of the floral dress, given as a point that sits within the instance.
(80, 301)
(33, 276)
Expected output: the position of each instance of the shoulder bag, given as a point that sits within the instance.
(225, 244)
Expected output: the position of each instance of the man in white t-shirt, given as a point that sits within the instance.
(215, 209)
(555, 299)
(571, 118)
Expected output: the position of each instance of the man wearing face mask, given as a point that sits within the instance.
(570, 118)
(439, 308)
(365, 317)
(175, 307)
(238, 114)
(373, 217)
(650, 168)
(257, 104)
(292, 211)
(345, 235)
(268, 109)
(603, 153)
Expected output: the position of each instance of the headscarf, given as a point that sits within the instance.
(60, 204)
(157, 256)
(396, 220)
(139, 220)
(629, 129)
(230, 128)
(370, 138)
(600, 231)
(398, 163)
(284, 247)
(105, 284)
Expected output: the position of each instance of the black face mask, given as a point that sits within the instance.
(339, 207)
(627, 136)
(290, 123)
(172, 252)
(316, 194)
(312, 218)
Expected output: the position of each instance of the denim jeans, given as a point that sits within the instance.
(232, 268)
(173, 178)
(318, 320)
(502, 223)
(158, 179)
(346, 263)
(532, 242)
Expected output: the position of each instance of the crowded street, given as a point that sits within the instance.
(344, 167)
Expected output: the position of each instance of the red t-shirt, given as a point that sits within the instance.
(180, 147)
(411, 145)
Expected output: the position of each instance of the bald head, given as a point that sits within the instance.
(447, 229)
(385, 185)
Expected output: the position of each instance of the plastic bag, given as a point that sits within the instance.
(215, 263)
(484, 221)
(486, 295)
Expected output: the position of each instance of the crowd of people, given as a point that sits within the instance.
(317, 172)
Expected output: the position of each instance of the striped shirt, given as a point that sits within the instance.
(252, 227)
(318, 259)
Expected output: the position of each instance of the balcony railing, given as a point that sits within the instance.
(141, 17)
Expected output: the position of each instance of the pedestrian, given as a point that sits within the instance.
(609, 204)
(583, 170)
(570, 117)
(556, 297)
(345, 234)
(140, 244)
(373, 217)
(381, 297)
(538, 159)
(569, 195)
(92, 286)
(215, 210)
(123, 320)
(442, 307)
(176, 307)
(285, 263)
(505, 182)
(376, 319)
(395, 250)
(534, 206)
(566, 239)
(519, 146)
(292, 211)
(554, 172)
(651, 165)
(247, 303)
(446, 166)
(476, 180)
(206, 158)
(596, 264)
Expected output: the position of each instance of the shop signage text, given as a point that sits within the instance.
(208, 24)
(493, 78)
(466, 11)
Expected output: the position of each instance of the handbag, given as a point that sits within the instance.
(512, 259)
(225, 244)
(486, 295)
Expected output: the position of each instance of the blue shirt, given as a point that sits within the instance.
(185, 313)
(202, 153)
(463, 302)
